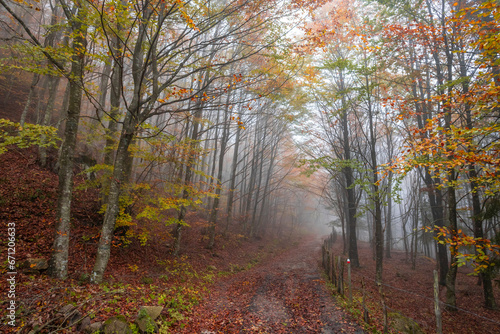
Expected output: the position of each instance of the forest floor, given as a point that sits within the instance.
(266, 285)
(409, 290)
(286, 294)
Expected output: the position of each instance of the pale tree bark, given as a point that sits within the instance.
(29, 101)
(234, 167)
(277, 134)
(253, 176)
(187, 180)
(260, 164)
(119, 175)
(59, 259)
(375, 196)
(53, 82)
(218, 187)
(112, 207)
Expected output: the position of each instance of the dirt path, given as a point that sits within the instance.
(283, 295)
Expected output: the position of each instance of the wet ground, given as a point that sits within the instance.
(285, 294)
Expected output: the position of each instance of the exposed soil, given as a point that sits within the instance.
(283, 295)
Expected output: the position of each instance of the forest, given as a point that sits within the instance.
(151, 134)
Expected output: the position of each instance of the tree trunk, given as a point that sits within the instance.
(265, 194)
(59, 259)
(215, 207)
(31, 93)
(451, 299)
(112, 204)
(377, 219)
(230, 197)
(253, 175)
(53, 85)
(187, 180)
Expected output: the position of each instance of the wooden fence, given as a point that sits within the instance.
(334, 267)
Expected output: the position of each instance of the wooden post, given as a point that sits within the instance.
(366, 316)
(332, 270)
(329, 269)
(323, 255)
(437, 310)
(340, 287)
(349, 279)
(328, 260)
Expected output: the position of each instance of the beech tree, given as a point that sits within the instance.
(75, 13)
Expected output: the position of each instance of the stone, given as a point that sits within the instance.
(94, 327)
(403, 324)
(35, 264)
(146, 325)
(115, 325)
(84, 324)
(153, 311)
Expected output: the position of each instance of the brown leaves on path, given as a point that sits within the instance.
(285, 294)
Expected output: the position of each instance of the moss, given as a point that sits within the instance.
(403, 324)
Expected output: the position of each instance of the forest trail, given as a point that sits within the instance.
(285, 294)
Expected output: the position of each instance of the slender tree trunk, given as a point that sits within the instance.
(351, 200)
(213, 214)
(451, 277)
(187, 180)
(388, 216)
(379, 234)
(31, 93)
(53, 85)
(64, 107)
(265, 194)
(415, 234)
(59, 259)
(112, 204)
(253, 175)
(103, 89)
(260, 164)
(485, 276)
(213, 159)
(230, 197)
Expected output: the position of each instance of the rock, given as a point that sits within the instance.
(115, 325)
(84, 324)
(146, 325)
(93, 328)
(146, 319)
(35, 264)
(402, 324)
(153, 311)
(211, 267)
(69, 315)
